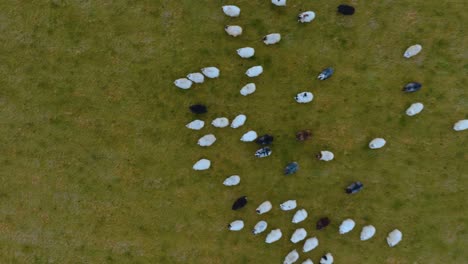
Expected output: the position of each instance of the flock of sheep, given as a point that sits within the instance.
(393, 238)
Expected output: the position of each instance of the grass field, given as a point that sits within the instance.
(96, 160)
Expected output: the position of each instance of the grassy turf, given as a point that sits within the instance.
(96, 161)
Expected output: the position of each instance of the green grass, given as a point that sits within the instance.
(96, 161)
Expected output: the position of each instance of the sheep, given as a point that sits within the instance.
(254, 71)
(263, 152)
(412, 87)
(196, 124)
(183, 83)
(461, 125)
(288, 205)
(292, 257)
(414, 109)
(308, 261)
(346, 226)
(327, 259)
(291, 168)
(325, 74)
(239, 203)
(310, 244)
(377, 143)
(233, 30)
(202, 164)
(248, 89)
(394, 237)
(412, 51)
(265, 207)
(238, 121)
(196, 77)
(279, 2)
(210, 72)
(298, 235)
(325, 155)
(303, 135)
(249, 136)
(265, 140)
(367, 232)
(299, 216)
(231, 10)
(246, 52)
(198, 109)
(232, 180)
(354, 187)
(272, 38)
(220, 122)
(322, 223)
(304, 97)
(273, 236)
(346, 10)
(306, 17)
(260, 227)
(236, 225)
(207, 140)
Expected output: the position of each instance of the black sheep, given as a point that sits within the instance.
(239, 203)
(346, 10)
(198, 109)
(265, 140)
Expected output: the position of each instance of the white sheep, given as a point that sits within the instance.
(183, 83)
(414, 109)
(394, 237)
(236, 225)
(461, 125)
(246, 52)
(288, 205)
(260, 227)
(346, 226)
(249, 136)
(272, 38)
(231, 10)
(308, 261)
(327, 259)
(310, 244)
(254, 71)
(196, 77)
(238, 121)
(210, 72)
(325, 155)
(306, 17)
(196, 124)
(202, 164)
(248, 89)
(299, 216)
(265, 207)
(377, 143)
(298, 235)
(233, 30)
(279, 2)
(232, 180)
(220, 122)
(304, 97)
(412, 51)
(367, 232)
(292, 257)
(273, 236)
(207, 140)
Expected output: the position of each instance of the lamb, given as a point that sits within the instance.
(288, 205)
(394, 237)
(210, 72)
(183, 83)
(414, 109)
(198, 109)
(308, 261)
(220, 122)
(279, 2)
(291, 168)
(233, 30)
(298, 235)
(412, 51)
(238, 121)
(231, 10)
(306, 17)
(327, 259)
(263, 152)
(246, 52)
(377, 143)
(304, 97)
(254, 71)
(367, 232)
(196, 124)
(236, 225)
(265, 207)
(292, 257)
(273, 236)
(346, 10)
(239, 203)
(461, 125)
(354, 187)
(325, 74)
(232, 180)
(310, 244)
(322, 223)
(325, 155)
(412, 87)
(202, 164)
(248, 89)
(272, 38)
(249, 136)
(346, 226)
(196, 77)
(207, 140)
(299, 216)
(260, 227)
